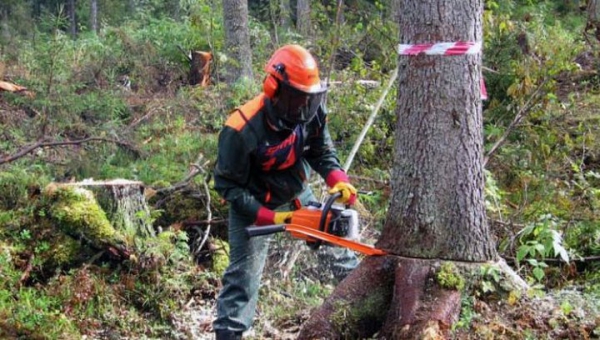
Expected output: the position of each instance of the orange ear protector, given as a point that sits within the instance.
(270, 86)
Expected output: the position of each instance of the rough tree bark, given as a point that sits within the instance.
(237, 41)
(593, 18)
(72, 19)
(94, 15)
(303, 22)
(437, 209)
(285, 11)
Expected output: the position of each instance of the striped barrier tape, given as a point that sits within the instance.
(445, 49)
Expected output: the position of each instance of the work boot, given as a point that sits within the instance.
(225, 334)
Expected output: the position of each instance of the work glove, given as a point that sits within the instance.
(347, 190)
(267, 216)
(338, 181)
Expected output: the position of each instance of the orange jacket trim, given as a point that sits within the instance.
(238, 119)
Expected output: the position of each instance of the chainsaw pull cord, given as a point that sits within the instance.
(315, 245)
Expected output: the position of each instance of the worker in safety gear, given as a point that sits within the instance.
(267, 149)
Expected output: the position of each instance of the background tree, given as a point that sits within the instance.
(593, 18)
(285, 12)
(437, 209)
(94, 15)
(237, 41)
(303, 22)
(71, 12)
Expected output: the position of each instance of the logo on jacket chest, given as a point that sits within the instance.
(281, 155)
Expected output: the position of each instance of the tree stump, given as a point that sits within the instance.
(200, 68)
(123, 202)
(107, 214)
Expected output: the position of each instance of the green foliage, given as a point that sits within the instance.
(37, 315)
(220, 259)
(467, 313)
(538, 241)
(14, 185)
(355, 103)
(490, 278)
(529, 169)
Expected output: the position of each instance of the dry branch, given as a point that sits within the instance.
(196, 169)
(370, 121)
(523, 112)
(47, 142)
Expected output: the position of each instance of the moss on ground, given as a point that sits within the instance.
(78, 214)
(449, 277)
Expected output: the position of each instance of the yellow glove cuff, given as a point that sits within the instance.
(282, 217)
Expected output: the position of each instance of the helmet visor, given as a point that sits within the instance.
(296, 106)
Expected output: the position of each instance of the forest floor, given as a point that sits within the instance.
(569, 312)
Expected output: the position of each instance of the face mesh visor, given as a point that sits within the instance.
(296, 106)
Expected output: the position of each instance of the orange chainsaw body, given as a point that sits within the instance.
(318, 225)
(310, 218)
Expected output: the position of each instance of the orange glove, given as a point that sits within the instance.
(338, 181)
(267, 217)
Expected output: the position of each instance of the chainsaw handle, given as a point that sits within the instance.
(316, 244)
(326, 209)
(264, 230)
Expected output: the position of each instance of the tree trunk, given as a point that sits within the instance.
(593, 18)
(131, 7)
(123, 202)
(94, 15)
(303, 22)
(285, 11)
(237, 41)
(437, 209)
(393, 10)
(72, 19)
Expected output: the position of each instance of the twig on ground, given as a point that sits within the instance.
(47, 142)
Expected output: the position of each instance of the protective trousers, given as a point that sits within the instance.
(236, 303)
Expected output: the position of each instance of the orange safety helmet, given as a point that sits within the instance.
(293, 83)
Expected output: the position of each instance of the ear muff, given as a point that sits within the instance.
(270, 86)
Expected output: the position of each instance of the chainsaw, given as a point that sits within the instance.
(322, 224)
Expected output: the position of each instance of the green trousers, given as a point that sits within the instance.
(237, 299)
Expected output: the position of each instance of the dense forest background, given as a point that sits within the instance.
(108, 94)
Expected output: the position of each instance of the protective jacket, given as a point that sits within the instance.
(258, 165)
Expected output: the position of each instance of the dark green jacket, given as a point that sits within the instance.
(258, 166)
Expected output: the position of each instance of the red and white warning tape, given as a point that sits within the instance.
(443, 48)
(446, 49)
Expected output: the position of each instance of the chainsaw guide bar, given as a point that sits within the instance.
(295, 229)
